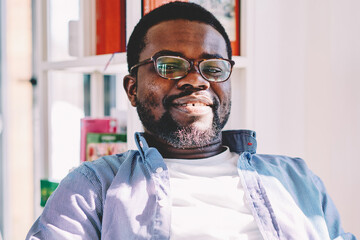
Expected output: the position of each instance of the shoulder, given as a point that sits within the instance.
(92, 178)
(279, 161)
(100, 172)
(292, 172)
(284, 168)
(80, 196)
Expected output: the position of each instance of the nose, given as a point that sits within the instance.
(193, 81)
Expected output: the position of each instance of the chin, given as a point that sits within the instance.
(201, 124)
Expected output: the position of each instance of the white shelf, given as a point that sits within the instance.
(117, 64)
(90, 64)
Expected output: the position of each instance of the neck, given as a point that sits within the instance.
(168, 151)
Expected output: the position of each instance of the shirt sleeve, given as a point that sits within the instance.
(73, 211)
(331, 214)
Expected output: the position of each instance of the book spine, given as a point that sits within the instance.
(235, 44)
(74, 39)
(88, 25)
(146, 6)
(149, 5)
(110, 26)
(123, 26)
(100, 27)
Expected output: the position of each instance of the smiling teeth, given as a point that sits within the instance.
(192, 104)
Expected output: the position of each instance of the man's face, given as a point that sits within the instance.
(189, 112)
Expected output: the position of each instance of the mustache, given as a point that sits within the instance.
(168, 101)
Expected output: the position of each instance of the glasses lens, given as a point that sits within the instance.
(215, 70)
(172, 67)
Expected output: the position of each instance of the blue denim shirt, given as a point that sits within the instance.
(127, 196)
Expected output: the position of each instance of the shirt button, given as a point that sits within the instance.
(159, 170)
(162, 202)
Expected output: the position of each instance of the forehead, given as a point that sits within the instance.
(190, 38)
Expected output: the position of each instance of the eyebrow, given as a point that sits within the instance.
(208, 55)
(171, 53)
(202, 56)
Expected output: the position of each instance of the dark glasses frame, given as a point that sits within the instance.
(193, 63)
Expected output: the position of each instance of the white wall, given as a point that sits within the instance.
(17, 99)
(307, 91)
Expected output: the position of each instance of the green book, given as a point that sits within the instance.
(102, 144)
(47, 188)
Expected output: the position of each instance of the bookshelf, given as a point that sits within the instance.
(58, 72)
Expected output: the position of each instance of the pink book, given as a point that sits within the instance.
(95, 125)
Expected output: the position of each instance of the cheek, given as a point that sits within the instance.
(223, 91)
(151, 101)
(151, 93)
(147, 90)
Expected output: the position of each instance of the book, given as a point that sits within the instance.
(226, 11)
(110, 26)
(82, 33)
(95, 125)
(74, 38)
(88, 27)
(103, 144)
(46, 189)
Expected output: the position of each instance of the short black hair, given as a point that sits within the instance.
(170, 11)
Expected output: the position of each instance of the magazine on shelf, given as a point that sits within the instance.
(103, 144)
(95, 125)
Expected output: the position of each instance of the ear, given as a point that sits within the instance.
(130, 88)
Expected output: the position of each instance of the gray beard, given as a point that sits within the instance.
(191, 137)
(167, 129)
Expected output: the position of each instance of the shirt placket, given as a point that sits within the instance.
(160, 176)
(257, 199)
(162, 218)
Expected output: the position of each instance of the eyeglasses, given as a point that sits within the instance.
(175, 68)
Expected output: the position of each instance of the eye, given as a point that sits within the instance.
(168, 67)
(212, 70)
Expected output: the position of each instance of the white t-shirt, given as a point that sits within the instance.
(208, 200)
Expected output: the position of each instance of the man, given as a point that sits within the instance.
(187, 180)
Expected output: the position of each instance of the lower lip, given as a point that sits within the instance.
(194, 110)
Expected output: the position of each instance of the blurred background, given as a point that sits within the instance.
(303, 61)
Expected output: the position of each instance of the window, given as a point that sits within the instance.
(70, 99)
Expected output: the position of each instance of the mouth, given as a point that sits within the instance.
(193, 105)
